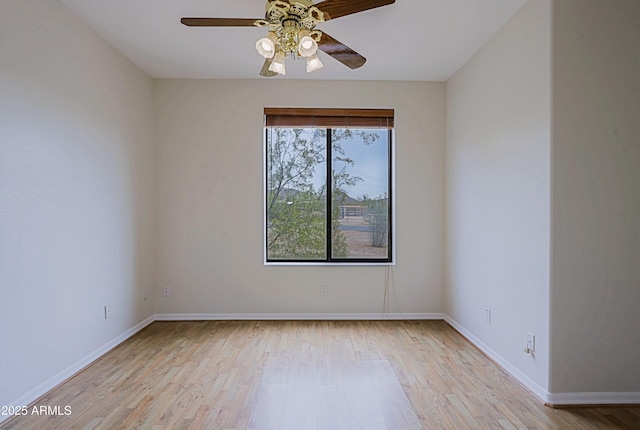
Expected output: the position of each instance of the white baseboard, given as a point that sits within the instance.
(529, 383)
(42, 389)
(300, 316)
(587, 399)
(550, 399)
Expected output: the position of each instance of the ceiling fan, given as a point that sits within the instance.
(292, 31)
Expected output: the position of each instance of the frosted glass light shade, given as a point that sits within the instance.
(267, 45)
(306, 45)
(314, 63)
(278, 64)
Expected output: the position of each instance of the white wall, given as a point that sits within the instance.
(497, 190)
(595, 312)
(76, 195)
(210, 179)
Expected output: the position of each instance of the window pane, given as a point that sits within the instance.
(360, 193)
(296, 194)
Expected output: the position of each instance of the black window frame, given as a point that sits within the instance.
(329, 119)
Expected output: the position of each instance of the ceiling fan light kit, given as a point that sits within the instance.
(293, 33)
(292, 25)
(277, 65)
(307, 46)
(314, 63)
(267, 45)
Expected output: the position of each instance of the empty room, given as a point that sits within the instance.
(287, 214)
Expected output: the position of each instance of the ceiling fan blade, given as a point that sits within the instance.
(218, 22)
(341, 52)
(337, 8)
(265, 69)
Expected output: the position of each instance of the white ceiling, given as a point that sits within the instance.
(411, 40)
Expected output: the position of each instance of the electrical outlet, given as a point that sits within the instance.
(107, 312)
(530, 347)
(487, 315)
(166, 292)
(324, 290)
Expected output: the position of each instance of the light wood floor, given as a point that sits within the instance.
(304, 375)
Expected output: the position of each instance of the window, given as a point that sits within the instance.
(328, 185)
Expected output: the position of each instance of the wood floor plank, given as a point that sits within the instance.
(304, 375)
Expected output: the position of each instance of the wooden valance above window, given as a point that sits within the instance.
(338, 118)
